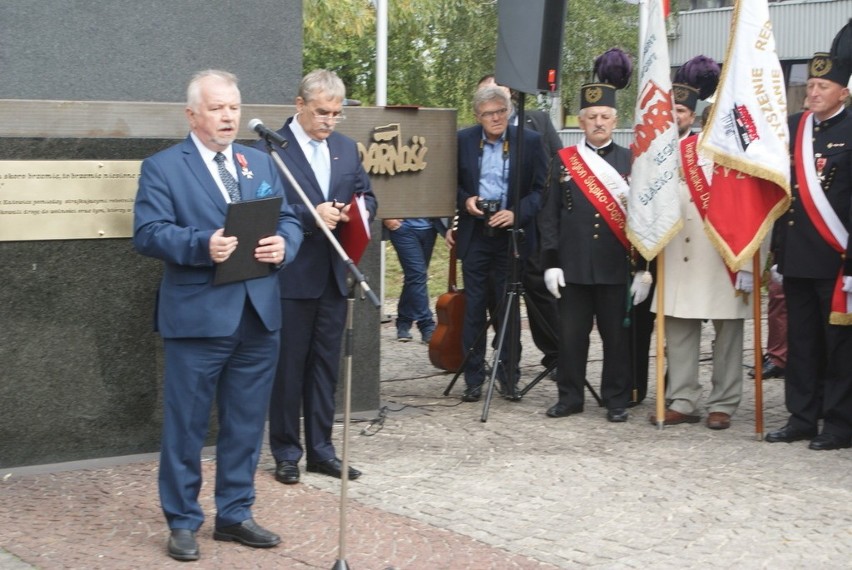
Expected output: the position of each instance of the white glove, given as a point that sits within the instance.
(641, 286)
(774, 275)
(744, 282)
(847, 284)
(554, 278)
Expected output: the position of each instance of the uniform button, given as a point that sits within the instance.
(597, 215)
(597, 226)
(791, 223)
(686, 259)
(793, 198)
(792, 211)
(595, 236)
(686, 240)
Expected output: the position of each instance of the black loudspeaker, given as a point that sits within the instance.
(529, 44)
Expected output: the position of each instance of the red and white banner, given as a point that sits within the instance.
(653, 210)
(748, 139)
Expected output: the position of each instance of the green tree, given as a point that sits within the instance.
(438, 49)
(591, 28)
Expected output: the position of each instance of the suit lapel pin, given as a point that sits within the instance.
(244, 165)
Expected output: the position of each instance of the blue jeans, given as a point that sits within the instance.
(414, 250)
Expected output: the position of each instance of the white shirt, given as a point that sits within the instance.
(208, 156)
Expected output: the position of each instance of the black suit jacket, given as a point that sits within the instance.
(801, 250)
(306, 277)
(533, 171)
(576, 238)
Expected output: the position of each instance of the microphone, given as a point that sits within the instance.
(257, 126)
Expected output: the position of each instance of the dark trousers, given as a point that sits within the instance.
(776, 324)
(307, 374)
(818, 378)
(236, 371)
(485, 265)
(543, 314)
(579, 307)
(641, 328)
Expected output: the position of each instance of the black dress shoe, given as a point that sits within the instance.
(249, 533)
(788, 434)
(287, 472)
(770, 370)
(472, 394)
(829, 441)
(182, 544)
(560, 410)
(332, 468)
(617, 415)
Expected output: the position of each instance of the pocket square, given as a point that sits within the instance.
(263, 190)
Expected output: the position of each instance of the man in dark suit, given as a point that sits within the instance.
(486, 161)
(543, 314)
(815, 259)
(585, 252)
(313, 288)
(221, 341)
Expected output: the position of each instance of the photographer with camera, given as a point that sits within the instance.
(487, 157)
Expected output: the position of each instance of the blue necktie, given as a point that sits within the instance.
(320, 166)
(230, 184)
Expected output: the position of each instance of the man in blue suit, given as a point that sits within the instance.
(313, 288)
(487, 157)
(220, 341)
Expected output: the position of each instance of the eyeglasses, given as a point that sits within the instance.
(499, 113)
(334, 117)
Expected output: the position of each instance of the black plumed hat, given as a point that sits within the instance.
(612, 69)
(696, 79)
(836, 65)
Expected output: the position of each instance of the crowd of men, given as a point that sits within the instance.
(552, 218)
(570, 218)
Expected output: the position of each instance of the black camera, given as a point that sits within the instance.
(489, 208)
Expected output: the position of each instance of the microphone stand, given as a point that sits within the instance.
(361, 281)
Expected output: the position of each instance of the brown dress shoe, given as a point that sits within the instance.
(718, 420)
(673, 418)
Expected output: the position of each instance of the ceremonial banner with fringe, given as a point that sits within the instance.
(748, 139)
(653, 210)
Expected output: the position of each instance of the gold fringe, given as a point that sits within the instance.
(843, 319)
(651, 253)
(737, 262)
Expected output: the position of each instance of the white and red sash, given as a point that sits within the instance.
(822, 215)
(601, 183)
(696, 181)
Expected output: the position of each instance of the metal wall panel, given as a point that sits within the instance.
(801, 28)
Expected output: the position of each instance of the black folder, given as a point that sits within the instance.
(250, 221)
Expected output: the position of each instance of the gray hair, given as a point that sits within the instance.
(491, 93)
(193, 90)
(321, 80)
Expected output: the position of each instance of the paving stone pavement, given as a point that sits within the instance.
(444, 490)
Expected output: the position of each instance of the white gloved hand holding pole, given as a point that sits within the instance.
(641, 286)
(554, 278)
(744, 282)
(774, 275)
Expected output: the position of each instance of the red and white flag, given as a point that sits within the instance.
(653, 210)
(747, 138)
